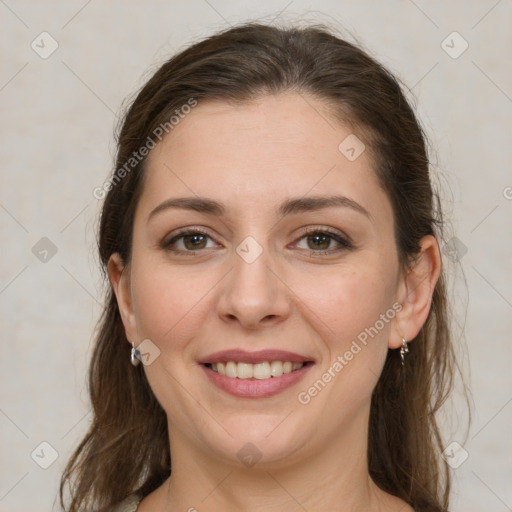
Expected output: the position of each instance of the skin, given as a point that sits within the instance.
(252, 157)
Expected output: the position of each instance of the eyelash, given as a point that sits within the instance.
(344, 242)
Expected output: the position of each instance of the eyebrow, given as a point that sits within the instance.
(288, 207)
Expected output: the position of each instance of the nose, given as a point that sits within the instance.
(254, 295)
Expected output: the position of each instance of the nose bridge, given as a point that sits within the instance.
(253, 294)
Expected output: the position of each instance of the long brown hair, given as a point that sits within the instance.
(126, 449)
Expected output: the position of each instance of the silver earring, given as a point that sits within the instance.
(134, 355)
(404, 349)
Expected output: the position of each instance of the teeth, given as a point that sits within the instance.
(263, 370)
(276, 368)
(231, 369)
(245, 371)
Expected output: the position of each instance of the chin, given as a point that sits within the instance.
(259, 440)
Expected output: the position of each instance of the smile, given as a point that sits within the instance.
(259, 371)
(255, 374)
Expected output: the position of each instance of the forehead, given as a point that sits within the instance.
(253, 154)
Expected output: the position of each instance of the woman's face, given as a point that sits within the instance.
(292, 249)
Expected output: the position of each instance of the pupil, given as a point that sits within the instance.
(194, 238)
(319, 237)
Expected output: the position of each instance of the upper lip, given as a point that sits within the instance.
(242, 356)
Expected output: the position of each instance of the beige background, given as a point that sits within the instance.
(58, 115)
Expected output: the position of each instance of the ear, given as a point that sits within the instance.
(415, 291)
(119, 276)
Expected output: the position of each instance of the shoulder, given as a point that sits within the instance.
(130, 504)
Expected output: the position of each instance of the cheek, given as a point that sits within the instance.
(351, 312)
(171, 304)
(345, 302)
(168, 300)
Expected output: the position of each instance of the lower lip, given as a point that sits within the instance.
(256, 388)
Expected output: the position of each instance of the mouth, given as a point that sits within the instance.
(255, 374)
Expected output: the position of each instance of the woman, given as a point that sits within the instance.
(270, 238)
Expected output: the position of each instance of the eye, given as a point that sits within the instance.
(187, 241)
(320, 241)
